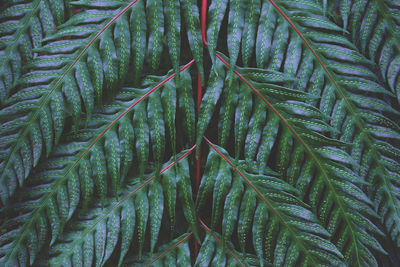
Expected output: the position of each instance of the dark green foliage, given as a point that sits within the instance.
(298, 127)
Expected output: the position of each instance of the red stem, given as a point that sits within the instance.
(203, 21)
(199, 96)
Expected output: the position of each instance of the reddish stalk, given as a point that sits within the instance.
(171, 248)
(199, 96)
(203, 21)
(219, 241)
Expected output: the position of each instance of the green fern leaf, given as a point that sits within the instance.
(37, 19)
(191, 18)
(48, 78)
(304, 170)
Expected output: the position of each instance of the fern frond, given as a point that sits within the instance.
(213, 252)
(363, 125)
(155, 21)
(97, 117)
(277, 207)
(76, 233)
(172, 15)
(392, 7)
(174, 253)
(89, 157)
(320, 159)
(237, 10)
(216, 12)
(20, 132)
(23, 27)
(375, 34)
(142, 204)
(191, 16)
(103, 225)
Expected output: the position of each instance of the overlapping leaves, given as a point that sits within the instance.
(254, 219)
(356, 101)
(306, 159)
(138, 216)
(305, 170)
(84, 164)
(34, 116)
(23, 26)
(85, 57)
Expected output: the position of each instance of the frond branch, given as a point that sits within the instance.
(369, 140)
(78, 241)
(60, 181)
(312, 154)
(250, 183)
(10, 48)
(255, 189)
(171, 248)
(315, 54)
(219, 241)
(46, 98)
